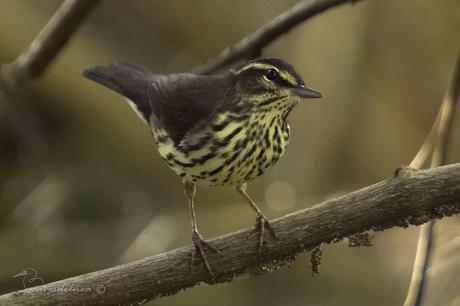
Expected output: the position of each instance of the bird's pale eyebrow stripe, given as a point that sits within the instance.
(283, 74)
(289, 78)
(256, 66)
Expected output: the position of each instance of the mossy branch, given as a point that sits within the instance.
(409, 197)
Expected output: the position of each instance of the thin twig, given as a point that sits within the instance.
(52, 38)
(421, 261)
(410, 197)
(436, 142)
(252, 45)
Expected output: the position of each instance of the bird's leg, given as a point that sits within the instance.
(261, 221)
(198, 241)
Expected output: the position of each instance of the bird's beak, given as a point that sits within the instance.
(305, 92)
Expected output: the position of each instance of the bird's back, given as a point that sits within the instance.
(175, 103)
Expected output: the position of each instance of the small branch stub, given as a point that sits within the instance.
(404, 171)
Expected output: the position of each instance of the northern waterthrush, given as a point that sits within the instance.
(214, 130)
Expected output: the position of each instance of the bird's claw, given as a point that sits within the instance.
(200, 244)
(262, 223)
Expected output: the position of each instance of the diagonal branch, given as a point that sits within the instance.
(436, 142)
(252, 45)
(410, 197)
(52, 38)
(26, 124)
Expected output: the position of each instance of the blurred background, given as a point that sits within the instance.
(82, 187)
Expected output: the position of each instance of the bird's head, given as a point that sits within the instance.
(269, 80)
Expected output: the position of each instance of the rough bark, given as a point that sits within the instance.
(410, 197)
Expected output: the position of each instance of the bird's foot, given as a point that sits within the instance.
(262, 223)
(200, 245)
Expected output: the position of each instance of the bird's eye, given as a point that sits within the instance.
(271, 74)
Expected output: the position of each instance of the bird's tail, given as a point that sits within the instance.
(126, 79)
(121, 78)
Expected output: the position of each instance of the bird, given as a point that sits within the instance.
(214, 130)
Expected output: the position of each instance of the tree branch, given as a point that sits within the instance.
(436, 143)
(52, 38)
(410, 197)
(252, 45)
(26, 123)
